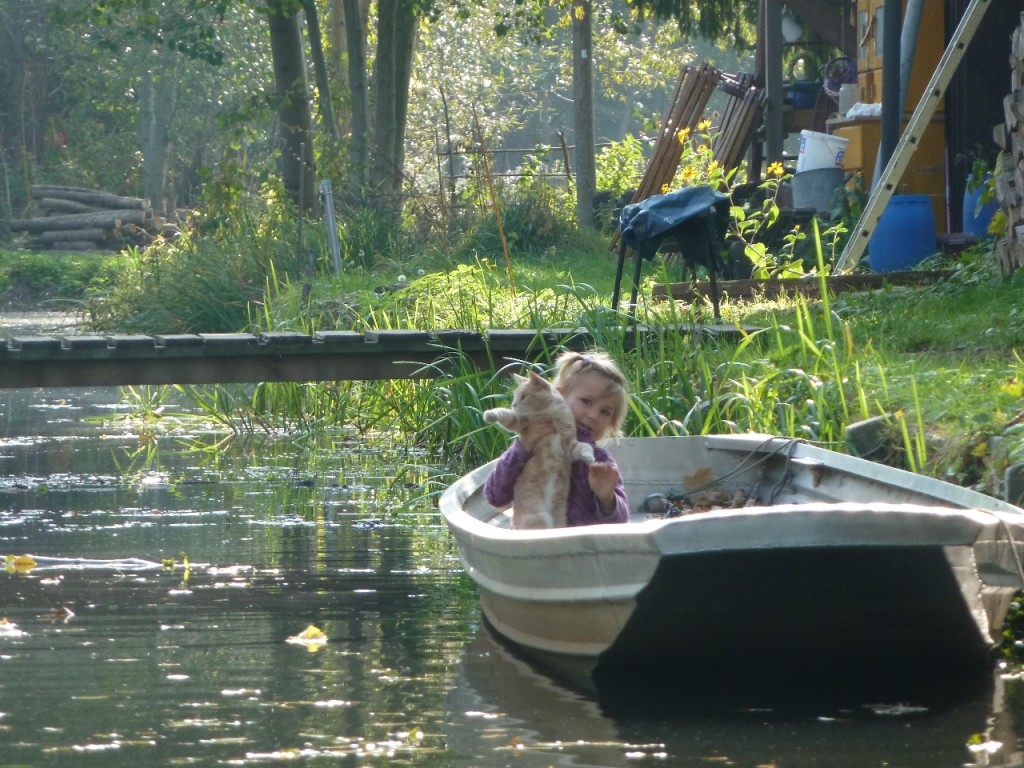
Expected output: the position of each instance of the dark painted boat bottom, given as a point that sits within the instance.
(737, 634)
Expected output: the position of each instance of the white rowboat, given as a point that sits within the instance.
(834, 562)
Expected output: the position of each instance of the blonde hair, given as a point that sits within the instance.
(569, 365)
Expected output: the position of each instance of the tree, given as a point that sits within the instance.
(144, 91)
(396, 38)
(158, 97)
(292, 95)
(583, 93)
(355, 13)
(709, 19)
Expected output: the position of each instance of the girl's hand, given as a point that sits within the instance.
(603, 477)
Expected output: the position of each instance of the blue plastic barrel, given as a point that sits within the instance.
(905, 235)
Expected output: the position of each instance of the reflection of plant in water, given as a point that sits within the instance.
(311, 474)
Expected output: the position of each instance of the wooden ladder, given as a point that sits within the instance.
(926, 107)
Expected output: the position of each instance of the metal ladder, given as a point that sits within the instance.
(933, 93)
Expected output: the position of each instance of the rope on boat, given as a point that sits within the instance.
(787, 472)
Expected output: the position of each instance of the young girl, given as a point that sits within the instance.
(595, 391)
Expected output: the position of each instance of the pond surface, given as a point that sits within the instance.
(155, 625)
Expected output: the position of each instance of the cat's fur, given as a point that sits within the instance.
(541, 493)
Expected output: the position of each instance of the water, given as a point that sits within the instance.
(162, 636)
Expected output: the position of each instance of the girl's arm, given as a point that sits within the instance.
(502, 480)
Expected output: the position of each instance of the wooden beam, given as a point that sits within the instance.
(81, 361)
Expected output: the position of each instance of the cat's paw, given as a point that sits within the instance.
(585, 452)
(492, 415)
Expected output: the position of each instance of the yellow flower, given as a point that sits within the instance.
(664, 188)
(683, 135)
(703, 125)
(712, 167)
(775, 169)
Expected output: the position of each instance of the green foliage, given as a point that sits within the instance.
(31, 280)
(620, 166)
(204, 283)
(710, 19)
(535, 215)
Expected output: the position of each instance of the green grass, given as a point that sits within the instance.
(30, 280)
(939, 361)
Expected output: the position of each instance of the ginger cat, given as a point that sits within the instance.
(541, 492)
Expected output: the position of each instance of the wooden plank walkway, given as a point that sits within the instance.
(212, 358)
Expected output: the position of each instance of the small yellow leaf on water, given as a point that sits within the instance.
(20, 563)
(312, 637)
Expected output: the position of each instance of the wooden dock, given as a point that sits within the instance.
(221, 358)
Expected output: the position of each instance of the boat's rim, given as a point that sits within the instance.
(968, 505)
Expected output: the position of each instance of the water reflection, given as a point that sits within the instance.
(187, 661)
(168, 643)
(511, 704)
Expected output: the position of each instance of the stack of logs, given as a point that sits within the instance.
(78, 219)
(1009, 176)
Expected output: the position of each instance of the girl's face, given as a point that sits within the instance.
(592, 402)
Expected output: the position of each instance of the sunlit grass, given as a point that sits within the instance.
(938, 361)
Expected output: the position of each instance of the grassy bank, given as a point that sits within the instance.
(939, 364)
(54, 280)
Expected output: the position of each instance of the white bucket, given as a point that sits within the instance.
(820, 150)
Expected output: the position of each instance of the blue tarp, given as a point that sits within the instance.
(644, 225)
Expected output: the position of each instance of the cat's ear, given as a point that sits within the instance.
(518, 379)
(537, 379)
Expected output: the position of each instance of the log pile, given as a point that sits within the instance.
(79, 219)
(1009, 175)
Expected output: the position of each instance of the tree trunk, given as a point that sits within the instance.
(158, 94)
(583, 113)
(293, 103)
(339, 39)
(355, 30)
(94, 234)
(93, 197)
(396, 31)
(105, 219)
(323, 85)
(405, 44)
(384, 103)
(57, 205)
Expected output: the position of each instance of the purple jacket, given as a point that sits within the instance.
(583, 508)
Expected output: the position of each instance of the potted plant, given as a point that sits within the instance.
(980, 203)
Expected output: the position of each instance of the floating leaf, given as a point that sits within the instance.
(19, 563)
(312, 637)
